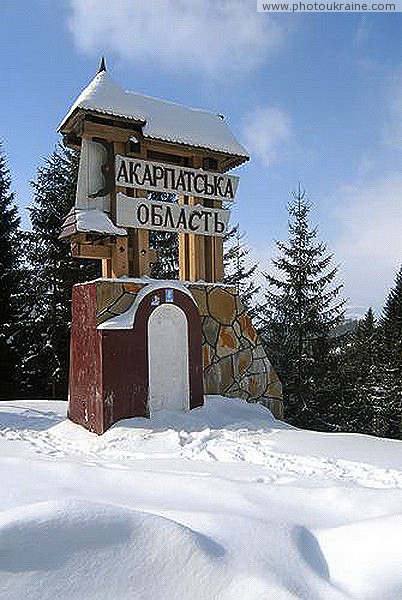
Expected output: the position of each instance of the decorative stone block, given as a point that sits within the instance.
(234, 391)
(258, 365)
(212, 379)
(247, 328)
(200, 296)
(242, 361)
(106, 293)
(275, 405)
(207, 354)
(258, 384)
(133, 288)
(227, 341)
(210, 329)
(237, 329)
(274, 390)
(225, 369)
(222, 305)
(259, 352)
(123, 303)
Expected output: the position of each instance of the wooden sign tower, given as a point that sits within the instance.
(133, 148)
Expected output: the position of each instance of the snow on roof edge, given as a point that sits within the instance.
(92, 220)
(244, 156)
(103, 96)
(101, 111)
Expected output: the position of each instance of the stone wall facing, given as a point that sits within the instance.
(234, 361)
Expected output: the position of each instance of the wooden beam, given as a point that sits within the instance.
(107, 268)
(119, 262)
(217, 251)
(184, 254)
(90, 251)
(112, 134)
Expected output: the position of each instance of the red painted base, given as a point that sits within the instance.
(109, 377)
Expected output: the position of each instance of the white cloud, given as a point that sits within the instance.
(268, 133)
(206, 36)
(370, 242)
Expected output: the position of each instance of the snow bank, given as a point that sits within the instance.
(366, 558)
(75, 550)
(220, 503)
(227, 430)
(69, 550)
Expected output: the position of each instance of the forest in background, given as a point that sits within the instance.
(337, 375)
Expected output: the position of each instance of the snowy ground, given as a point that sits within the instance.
(223, 503)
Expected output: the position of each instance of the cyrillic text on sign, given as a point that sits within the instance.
(143, 174)
(166, 216)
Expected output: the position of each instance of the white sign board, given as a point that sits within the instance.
(166, 216)
(161, 177)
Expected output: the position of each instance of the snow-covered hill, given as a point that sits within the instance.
(223, 503)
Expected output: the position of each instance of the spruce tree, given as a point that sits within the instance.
(10, 280)
(166, 243)
(302, 310)
(391, 357)
(363, 374)
(365, 382)
(391, 322)
(53, 273)
(239, 272)
(364, 347)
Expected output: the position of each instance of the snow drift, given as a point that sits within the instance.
(222, 503)
(82, 550)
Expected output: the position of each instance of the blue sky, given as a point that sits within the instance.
(316, 98)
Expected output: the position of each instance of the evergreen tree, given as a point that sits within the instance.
(238, 270)
(53, 273)
(367, 398)
(10, 279)
(391, 357)
(301, 312)
(365, 379)
(391, 322)
(166, 243)
(364, 347)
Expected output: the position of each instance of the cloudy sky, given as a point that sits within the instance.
(316, 98)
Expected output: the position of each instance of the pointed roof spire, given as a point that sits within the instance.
(102, 65)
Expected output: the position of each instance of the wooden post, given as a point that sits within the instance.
(217, 252)
(196, 249)
(106, 268)
(120, 265)
(184, 254)
(119, 262)
(146, 256)
(200, 256)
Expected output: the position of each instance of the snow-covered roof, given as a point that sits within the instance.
(161, 120)
(89, 221)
